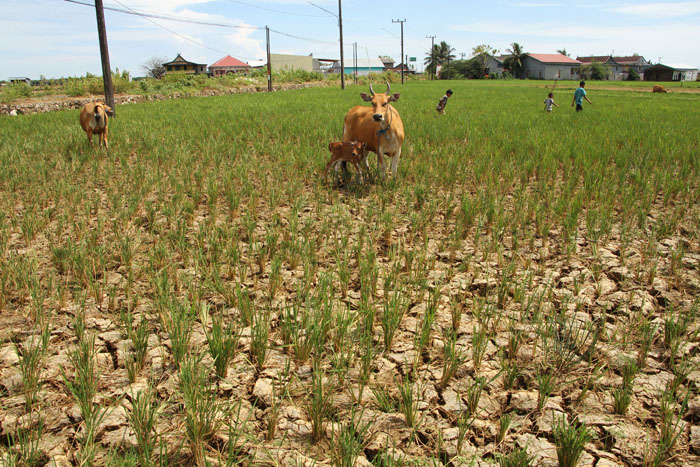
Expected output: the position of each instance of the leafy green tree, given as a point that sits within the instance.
(632, 75)
(595, 71)
(470, 69)
(563, 51)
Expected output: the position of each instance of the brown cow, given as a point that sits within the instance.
(352, 152)
(658, 88)
(94, 120)
(379, 127)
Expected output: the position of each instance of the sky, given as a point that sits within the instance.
(58, 38)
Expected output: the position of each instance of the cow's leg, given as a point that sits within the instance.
(89, 136)
(104, 138)
(395, 162)
(381, 163)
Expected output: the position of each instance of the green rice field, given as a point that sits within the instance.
(523, 292)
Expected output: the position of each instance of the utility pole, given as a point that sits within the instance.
(354, 61)
(104, 53)
(269, 65)
(403, 65)
(342, 60)
(462, 54)
(432, 54)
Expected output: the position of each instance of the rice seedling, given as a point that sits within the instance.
(24, 444)
(319, 402)
(408, 401)
(204, 413)
(452, 358)
(143, 419)
(349, 440)
(30, 358)
(518, 457)
(622, 395)
(259, 342)
(223, 343)
(479, 344)
(671, 426)
(546, 384)
(570, 439)
(393, 311)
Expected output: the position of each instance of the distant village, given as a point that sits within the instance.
(546, 66)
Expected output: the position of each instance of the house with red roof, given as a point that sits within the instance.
(227, 65)
(550, 66)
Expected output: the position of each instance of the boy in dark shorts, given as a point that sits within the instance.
(579, 96)
(443, 102)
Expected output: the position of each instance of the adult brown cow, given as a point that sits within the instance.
(379, 127)
(658, 88)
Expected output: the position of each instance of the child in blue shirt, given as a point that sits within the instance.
(579, 96)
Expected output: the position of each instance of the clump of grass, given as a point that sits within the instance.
(319, 403)
(349, 441)
(622, 396)
(259, 340)
(518, 457)
(408, 401)
(569, 438)
(222, 344)
(30, 356)
(671, 426)
(143, 419)
(393, 311)
(546, 384)
(204, 413)
(453, 358)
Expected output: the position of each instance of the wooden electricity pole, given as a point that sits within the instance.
(342, 60)
(104, 53)
(404, 64)
(269, 65)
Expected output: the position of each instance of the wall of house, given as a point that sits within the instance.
(535, 69)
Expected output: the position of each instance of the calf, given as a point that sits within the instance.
(352, 152)
(658, 88)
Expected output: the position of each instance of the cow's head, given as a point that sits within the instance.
(380, 102)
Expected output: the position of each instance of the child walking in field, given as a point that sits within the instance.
(549, 102)
(579, 96)
(443, 102)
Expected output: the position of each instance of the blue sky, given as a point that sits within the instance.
(57, 38)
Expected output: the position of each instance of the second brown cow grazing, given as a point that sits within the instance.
(353, 152)
(658, 88)
(94, 120)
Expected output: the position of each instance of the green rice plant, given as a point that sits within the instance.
(518, 457)
(223, 343)
(569, 439)
(646, 331)
(622, 395)
(387, 458)
(671, 426)
(204, 413)
(319, 403)
(504, 425)
(509, 369)
(479, 344)
(422, 338)
(385, 401)
(567, 341)
(259, 339)
(474, 392)
(83, 387)
(30, 358)
(237, 437)
(178, 326)
(245, 303)
(143, 419)
(452, 358)
(23, 444)
(349, 440)
(408, 401)
(546, 384)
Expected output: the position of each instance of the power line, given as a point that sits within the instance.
(273, 10)
(131, 11)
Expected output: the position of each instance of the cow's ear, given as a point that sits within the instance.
(394, 97)
(365, 97)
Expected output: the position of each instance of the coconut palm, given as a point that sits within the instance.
(515, 61)
(440, 54)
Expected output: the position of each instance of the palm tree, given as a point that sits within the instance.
(440, 54)
(563, 52)
(515, 61)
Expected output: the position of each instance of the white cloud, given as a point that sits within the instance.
(658, 9)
